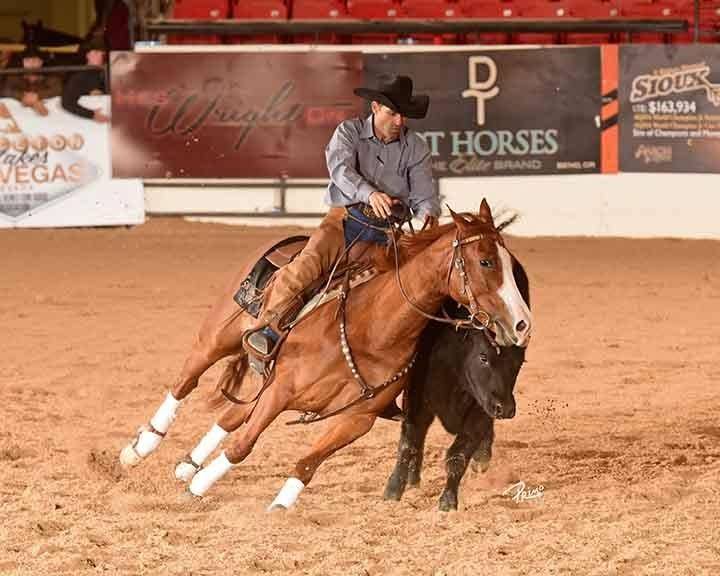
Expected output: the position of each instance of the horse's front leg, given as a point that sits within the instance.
(346, 429)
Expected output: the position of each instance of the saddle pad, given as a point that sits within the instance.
(319, 299)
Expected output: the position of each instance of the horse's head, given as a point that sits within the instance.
(490, 374)
(481, 278)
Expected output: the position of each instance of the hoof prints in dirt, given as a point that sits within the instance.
(106, 465)
(12, 452)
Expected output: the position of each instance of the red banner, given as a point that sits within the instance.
(232, 115)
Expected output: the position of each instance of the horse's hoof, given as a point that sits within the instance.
(393, 491)
(275, 507)
(128, 456)
(185, 471)
(188, 496)
(392, 496)
(448, 502)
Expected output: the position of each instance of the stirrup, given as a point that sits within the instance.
(261, 345)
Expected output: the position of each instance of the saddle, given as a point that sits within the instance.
(251, 293)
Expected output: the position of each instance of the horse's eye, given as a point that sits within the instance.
(484, 358)
(487, 264)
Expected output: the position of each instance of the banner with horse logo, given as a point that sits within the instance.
(670, 108)
(229, 115)
(506, 111)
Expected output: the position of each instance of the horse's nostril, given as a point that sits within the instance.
(520, 326)
(498, 409)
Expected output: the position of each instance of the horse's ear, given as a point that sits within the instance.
(485, 213)
(459, 219)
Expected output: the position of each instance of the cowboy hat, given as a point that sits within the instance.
(396, 93)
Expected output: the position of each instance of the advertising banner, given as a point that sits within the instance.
(229, 115)
(508, 111)
(55, 169)
(670, 108)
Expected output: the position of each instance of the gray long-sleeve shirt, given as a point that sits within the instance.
(359, 163)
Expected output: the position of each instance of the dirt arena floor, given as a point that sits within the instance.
(618, 420)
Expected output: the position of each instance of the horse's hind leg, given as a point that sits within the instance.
(410, 451)
(347, 429)
(213, 343)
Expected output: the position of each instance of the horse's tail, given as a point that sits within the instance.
(230, 381)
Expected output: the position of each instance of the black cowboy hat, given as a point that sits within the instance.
(396, 93)
(29, 40)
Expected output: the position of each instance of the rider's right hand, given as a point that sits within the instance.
(382, 203)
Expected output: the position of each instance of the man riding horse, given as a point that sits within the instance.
(352, 372)
(374, 163)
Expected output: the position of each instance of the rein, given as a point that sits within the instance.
(367, 391)
(457, 261)
(479, 319)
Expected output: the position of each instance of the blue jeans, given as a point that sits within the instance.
(353, 228)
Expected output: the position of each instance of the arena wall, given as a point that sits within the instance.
(630, 205)
(625, 204)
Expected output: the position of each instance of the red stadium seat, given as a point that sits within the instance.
(648, 10)
(259, 10)
(433, 10)
(542, 9)
(374, 10)
(490, 9)
(593, 10)
(198, 10)
(318, 10)
(709, 23)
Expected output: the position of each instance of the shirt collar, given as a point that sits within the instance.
(368, 132)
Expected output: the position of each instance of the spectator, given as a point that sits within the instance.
(5, 62)
(31, 89)
(88, 82)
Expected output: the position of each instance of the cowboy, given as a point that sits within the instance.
(90, 82)
(374, 163)
(31, 88)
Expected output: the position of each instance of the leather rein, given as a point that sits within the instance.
(479, 319)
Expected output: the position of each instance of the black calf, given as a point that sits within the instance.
(466, 382)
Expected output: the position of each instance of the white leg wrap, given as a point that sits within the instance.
(204, 479)
(165, 414)
(288, 495)
(185, 470)
(147, 443)
(208, 444)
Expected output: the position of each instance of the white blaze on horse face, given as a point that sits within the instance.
(520, 316)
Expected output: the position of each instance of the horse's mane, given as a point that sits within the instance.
(410, 245)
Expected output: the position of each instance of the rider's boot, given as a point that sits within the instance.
(261, 341)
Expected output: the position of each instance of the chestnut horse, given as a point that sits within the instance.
(315, 373)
